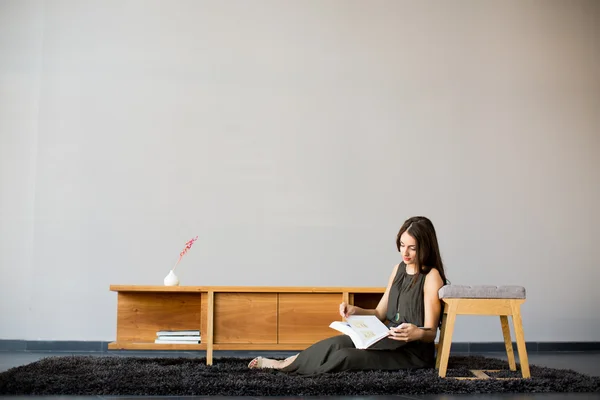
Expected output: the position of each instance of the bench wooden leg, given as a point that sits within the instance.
(508, 342)
(520, 336)
(438, 355)
(210, 328)
(447, 342)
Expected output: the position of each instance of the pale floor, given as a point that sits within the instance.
(584, 362)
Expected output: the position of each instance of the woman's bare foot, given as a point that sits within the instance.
(262, 362)
(255, 363)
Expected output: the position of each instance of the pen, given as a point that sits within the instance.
(420, 327)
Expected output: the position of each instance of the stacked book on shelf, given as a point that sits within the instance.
(178, 337)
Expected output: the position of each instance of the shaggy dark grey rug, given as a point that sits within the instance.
(113, 375)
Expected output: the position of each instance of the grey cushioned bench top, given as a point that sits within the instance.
(481, 292)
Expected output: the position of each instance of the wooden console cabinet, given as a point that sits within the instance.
(233, 317)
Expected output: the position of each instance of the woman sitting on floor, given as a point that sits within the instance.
(410, 307)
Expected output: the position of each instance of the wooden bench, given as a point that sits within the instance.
(503, 301)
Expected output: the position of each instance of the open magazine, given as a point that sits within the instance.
(364, 330)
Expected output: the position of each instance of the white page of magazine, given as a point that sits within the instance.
(364, 330)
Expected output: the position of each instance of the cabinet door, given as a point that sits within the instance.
(245, 318)
(305, 317)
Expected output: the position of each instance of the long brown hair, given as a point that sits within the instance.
(428, 250)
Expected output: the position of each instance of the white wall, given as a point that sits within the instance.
(294, 137)
(21, 31)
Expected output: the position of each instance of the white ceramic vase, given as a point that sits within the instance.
(171, 279)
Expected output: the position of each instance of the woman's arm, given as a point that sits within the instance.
(433, 307)
(381, 309)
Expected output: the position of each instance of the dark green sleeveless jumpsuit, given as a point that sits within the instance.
(338, 353)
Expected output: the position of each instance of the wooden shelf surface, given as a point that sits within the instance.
(203, 346)
(261, 346)
(154, 346)
(246, 289)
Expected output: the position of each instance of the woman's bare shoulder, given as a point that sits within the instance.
(433, 275)
(433, 283)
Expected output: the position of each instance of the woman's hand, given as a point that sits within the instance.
(406, 333)
(346, 310)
